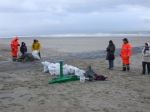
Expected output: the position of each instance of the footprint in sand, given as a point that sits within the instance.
(32, 98)
(23, 95)
(41, 102)
(9, 98)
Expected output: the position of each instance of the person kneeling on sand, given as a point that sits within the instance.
(146, 59)
(92, 76)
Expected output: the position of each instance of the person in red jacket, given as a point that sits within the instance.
(14, 47)
(125, 54)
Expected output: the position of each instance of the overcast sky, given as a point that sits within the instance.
(42, 17)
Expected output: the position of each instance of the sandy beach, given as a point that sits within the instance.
(24, 86)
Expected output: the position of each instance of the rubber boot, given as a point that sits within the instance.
(14, 58)
(128, 67)
(123, 67)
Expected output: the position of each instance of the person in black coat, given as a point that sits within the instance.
(23, 48)
(110, 54)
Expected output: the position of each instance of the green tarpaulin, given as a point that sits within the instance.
(64, 79)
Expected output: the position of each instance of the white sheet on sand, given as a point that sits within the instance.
(54, 69)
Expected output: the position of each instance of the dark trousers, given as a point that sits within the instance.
(39, 54)
(144, 67)
(111, 63)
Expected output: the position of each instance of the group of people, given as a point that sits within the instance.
(125, 53)
(23, 49)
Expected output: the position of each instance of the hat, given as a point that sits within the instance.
(110, 41)
(23, 43)
(125, 39)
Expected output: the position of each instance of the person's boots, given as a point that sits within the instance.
(14, 58)
(123, 67)
(128, 67)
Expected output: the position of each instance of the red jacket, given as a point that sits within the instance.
(14, 45)
(126, 51)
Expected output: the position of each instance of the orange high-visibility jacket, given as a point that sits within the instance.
(14, 45)
(126, 51)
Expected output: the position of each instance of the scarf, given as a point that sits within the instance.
(146, 48)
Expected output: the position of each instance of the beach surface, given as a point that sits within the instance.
(24, 86)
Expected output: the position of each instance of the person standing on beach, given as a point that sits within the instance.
(110, 54)
(125, 53)
(146, 59)
(36, 46)
(14, 47)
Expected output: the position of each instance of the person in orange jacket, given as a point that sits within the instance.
(14, 47)
(125, 54)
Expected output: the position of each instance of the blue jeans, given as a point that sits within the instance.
(111, 63)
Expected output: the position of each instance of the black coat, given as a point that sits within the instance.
(23, 49)
(110, 52)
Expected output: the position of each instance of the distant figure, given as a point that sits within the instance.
(146, 59)
(110, 54)
(14, 47)
(125, 53)
(36, 46)
(23, 48)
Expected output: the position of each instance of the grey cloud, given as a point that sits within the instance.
(27, 17)
(61, 6)
(86, 6)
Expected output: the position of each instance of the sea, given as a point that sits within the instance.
(98, 34)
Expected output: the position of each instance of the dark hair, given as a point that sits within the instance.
(146, 44)
(23, 43)
(125, 39)
(34, 40)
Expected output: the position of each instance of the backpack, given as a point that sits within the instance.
(100, 77)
